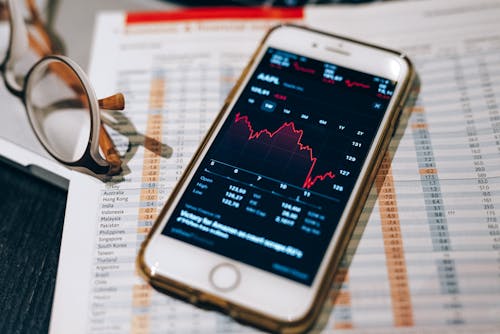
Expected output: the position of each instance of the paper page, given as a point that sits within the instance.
(428, 259)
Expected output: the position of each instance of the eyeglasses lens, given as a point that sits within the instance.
(59, 109)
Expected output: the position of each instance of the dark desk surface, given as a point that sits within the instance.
(32, 215)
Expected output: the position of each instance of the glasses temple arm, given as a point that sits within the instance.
(4, 13)
(19, 41)
(114, 102)
(40, 27)
(109, 150)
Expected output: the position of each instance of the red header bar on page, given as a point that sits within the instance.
(216, 13)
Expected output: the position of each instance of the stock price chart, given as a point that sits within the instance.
(271, 188)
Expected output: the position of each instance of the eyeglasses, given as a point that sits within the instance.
(60, 102)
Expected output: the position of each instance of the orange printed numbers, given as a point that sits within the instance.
(140, 324)
(394, 251)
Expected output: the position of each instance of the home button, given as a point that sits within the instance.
(224, 277)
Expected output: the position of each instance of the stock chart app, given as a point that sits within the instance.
(272, 187)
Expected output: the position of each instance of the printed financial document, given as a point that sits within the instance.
(426, 255)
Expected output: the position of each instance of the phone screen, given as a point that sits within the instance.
(275, 181)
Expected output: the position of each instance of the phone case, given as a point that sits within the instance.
(246, 315)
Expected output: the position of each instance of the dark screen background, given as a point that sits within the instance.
(272, 187)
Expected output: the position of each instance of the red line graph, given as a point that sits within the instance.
(351, 84)
(299, 68)
(253, 135)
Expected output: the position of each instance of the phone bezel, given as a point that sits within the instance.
(182, 262)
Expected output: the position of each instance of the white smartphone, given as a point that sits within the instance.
(262, 215)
